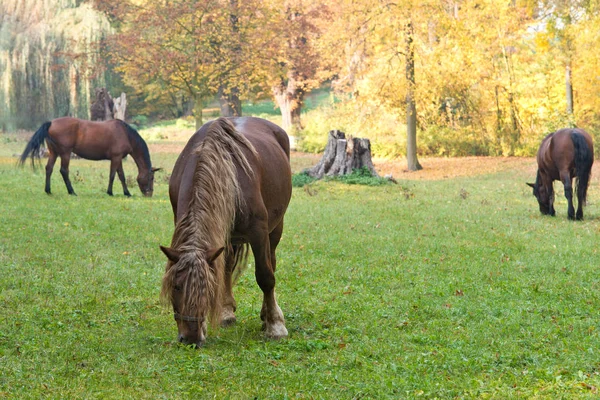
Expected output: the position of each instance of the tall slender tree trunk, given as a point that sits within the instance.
(411, 107)
(198, 111)
(569, 87)
(74, 91)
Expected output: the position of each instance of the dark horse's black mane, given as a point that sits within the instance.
(137, 141)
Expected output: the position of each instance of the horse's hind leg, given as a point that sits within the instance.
(229, 304)
(49, 168)
(567, 182)
(64, 171)
(580, 201)
(264, 254)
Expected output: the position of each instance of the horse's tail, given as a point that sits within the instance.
(35, 143)
(584, 158)
(240, 260)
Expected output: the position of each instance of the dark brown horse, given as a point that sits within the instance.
(109, 140)
(230, 187)
(564, 155)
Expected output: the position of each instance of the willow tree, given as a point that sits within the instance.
(49, 64)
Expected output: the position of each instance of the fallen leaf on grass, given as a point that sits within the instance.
(592, 388)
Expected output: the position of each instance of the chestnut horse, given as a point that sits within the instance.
(564, 155)
(108, 140)
(230, 188)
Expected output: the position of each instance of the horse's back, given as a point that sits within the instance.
(272, 166)
(558, 152)
(271, 183)
(93, 140)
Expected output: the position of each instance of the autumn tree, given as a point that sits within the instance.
(562, 19)
(192, 47)
(292, 57)
(383, 72)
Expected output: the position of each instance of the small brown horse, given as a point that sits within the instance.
(230, 187)
(109, 140)
(563, 155)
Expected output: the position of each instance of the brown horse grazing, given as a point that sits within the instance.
(563, 155)
(109, 140)
(230, 187)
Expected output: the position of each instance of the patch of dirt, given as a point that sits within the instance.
(446, 168)
(434, 168)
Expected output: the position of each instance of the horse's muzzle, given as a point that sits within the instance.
(183, 340)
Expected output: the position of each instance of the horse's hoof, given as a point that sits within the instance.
(275, 331)
(109, 193)
(73, 194)
(227, 317)
(127, 194)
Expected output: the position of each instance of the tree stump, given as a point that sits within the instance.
(341, 159)
(102, 108)
(120, 106)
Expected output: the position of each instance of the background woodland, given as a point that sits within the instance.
(467, 77)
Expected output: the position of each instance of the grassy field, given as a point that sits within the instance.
(449, 284)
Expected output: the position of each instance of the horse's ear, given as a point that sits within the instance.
(530, 184)
(171, 254)
(156, 169)
(211, 255)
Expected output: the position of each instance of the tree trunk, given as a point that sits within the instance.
(198, 112)
(569, 85)
(411, 107)
(338, 159)
(289, 97)
(231, 105)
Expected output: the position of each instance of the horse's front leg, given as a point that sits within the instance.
(115, 163)
(122, 179)
(567, 182)
(229, 305)
(64, 171)
(263, 247)
(49, 168)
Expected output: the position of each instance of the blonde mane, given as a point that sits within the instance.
(209, 220)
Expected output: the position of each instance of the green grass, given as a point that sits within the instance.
(437, 289)
(358, 177)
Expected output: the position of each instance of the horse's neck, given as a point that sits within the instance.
(137, 154)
